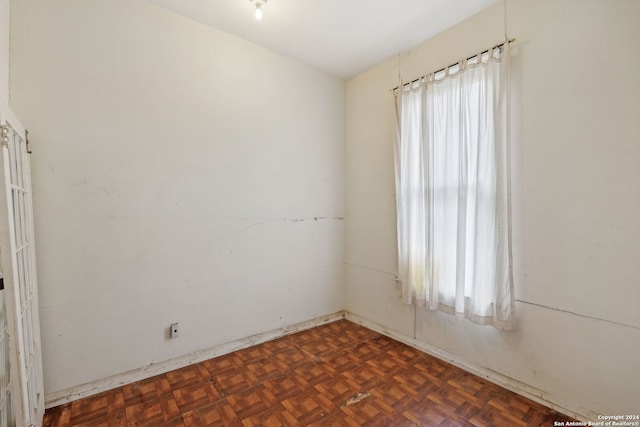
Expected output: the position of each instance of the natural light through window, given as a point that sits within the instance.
(452, 184)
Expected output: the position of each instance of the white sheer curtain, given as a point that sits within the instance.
(452, 189)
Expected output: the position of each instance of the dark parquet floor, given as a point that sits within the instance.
(339, 374)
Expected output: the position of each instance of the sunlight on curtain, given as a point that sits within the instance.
(452, 188)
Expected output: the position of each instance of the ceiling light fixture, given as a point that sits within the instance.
(259, 4)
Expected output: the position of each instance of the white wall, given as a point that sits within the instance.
(577, 203)
(171, 162)
(4, 51)
(178, 173)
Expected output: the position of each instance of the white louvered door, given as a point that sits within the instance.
(20, 295)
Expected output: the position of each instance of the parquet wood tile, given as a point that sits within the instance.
(175, 422)
(252, 401)
(364, 378)
(285, 386)
(59, 416)
(268, 368)
(218, 414)
(399, 397)
(187, 376)
(254, 354)
(145, 390)
(336, 419)
(338, 390)
(314, 373)
(236, 381)
(222, 365)
(295, 358)
(92, 409)
(339, 374)
(427, 414)
(309, 407)
(370, 410)
(151, 412)
(196, 396)
(340, 362)
(275, 416)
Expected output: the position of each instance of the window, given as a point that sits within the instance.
(452, 185)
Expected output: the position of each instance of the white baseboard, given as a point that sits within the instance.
(95, 387)
(511, 384)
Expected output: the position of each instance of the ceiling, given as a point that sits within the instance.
(342, 37)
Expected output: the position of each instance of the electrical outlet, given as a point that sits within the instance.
(174, 331)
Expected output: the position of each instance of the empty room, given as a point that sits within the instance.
(329, 213)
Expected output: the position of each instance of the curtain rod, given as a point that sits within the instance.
(449, 66)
